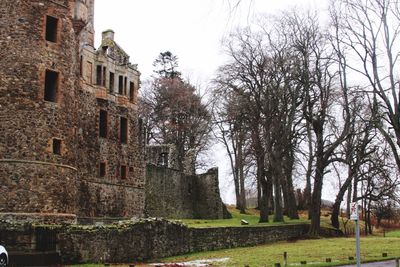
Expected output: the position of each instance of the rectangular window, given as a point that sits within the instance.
(88, 70)
(103, 123)
(56, 146)
(125, 85)
(51, 29)
(81, 66)
(120, 85)
(103, 83)
(131, 91)
(123, 172)
(51, 86)
(102, 169)
(99, 75)
(123, 130)
(111, 84)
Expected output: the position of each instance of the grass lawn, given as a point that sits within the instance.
(313, 251)
(394, 233)
(251, 217)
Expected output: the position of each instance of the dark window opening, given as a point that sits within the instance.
(131, 91)
(111, 84)
(103, 124)
(123, 130)
(102, 169)
(120, 85)
(103, 82)
(130, 169)
(123, 172)
(50, 87)
(163, 159)
(99, 75)
(56, 146)
(51, 29)
(125, 85)
(81, 66)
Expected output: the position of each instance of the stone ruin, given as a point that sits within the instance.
(71, 142)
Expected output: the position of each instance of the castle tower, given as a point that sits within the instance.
(69, 132)
(38, 107)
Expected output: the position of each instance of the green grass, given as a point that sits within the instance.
(252, 218)
(394, 233)
(313, 251)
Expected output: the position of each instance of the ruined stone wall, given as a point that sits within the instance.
(173, 194)
(168, 193)
(144, 239)
(207, 200)
(29, 123)
(154, 239)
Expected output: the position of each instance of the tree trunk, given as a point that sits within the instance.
(307, 190)
(237, 189)
(285, 195)
(339, 199)
(265, 193)
(259, 195)
(291, 197)
(242, 189)
(348, 201)
(278, 209)
(264, 209)
(317, 193)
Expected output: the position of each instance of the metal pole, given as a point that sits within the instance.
(358, 243)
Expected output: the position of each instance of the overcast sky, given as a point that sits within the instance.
(192, 30)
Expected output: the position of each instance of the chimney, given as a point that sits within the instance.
(108, 35)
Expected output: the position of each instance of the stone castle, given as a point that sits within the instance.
(71, 141)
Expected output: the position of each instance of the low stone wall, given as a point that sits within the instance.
(205, 239)
(144, 239)
(157, 238)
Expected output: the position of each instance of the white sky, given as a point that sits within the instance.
(190, 29)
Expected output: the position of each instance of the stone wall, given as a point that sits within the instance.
(29, 123)
(168, 193)
(154, 239)
(37, 187)
(144, 239)
(172, 194)
(207, 200)
(51, 151)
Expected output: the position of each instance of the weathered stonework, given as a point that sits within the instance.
(53, 86)
(146, 239)
(171, 193)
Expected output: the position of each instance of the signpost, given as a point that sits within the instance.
(354, 217)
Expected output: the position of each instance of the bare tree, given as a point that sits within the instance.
(371, 30)
(323, 82)
(230, 119)
(261, 72)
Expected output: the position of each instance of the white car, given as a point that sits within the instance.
(3, 257)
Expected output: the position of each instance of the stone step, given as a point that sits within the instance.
(50, 258)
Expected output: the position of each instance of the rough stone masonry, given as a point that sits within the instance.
(69, 132)
(70, 136)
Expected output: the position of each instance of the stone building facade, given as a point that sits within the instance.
(70, 139)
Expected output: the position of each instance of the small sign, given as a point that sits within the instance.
(354, 211)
